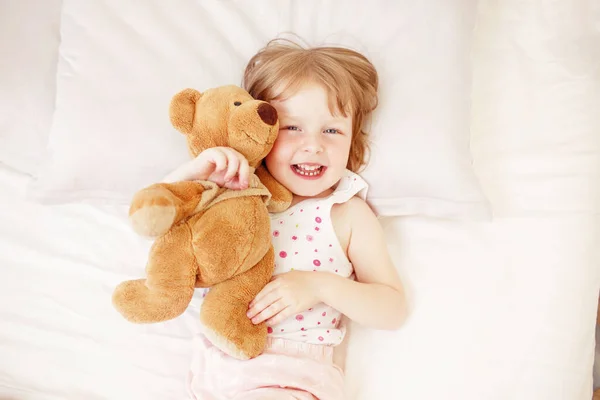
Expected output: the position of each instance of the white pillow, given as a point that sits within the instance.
(120, 65)
(29, 39)
(536, 103)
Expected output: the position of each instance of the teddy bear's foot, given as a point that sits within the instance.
(233, 347)
(139, 304)
(224, 312)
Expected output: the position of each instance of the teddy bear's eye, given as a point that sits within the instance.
(237, 103)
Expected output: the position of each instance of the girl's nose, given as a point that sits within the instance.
(313, 144)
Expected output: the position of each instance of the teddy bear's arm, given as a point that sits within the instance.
(281, 197)
(155, 209)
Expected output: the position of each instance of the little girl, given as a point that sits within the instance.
(331, 256)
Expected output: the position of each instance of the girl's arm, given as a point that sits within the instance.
(377, 298)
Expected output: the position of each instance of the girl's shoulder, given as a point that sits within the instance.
(350, 185)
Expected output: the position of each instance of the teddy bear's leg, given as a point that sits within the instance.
(168, 289)
(223, 312)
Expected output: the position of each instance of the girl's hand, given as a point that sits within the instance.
(222, 165)
(287, 294)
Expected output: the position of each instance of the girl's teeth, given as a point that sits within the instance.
(308, 170)
(308, 167)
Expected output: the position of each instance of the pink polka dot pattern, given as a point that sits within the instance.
(304, 240)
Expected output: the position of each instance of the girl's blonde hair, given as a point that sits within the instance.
(351, 81)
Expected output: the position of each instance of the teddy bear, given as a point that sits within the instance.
(207, 236)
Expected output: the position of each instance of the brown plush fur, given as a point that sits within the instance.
(208, 236)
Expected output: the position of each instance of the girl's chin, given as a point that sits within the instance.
(310, 189)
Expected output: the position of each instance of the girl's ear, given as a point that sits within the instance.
(281, 197)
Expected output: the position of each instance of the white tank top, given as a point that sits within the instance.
(304, 239)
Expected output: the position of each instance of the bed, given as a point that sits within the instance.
(492, 216)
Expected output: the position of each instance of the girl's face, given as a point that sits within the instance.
(311, 152)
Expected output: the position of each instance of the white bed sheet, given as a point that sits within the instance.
(501, 311)
(485, 323)
(60, 338)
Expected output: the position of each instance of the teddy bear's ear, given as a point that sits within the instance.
(281, 198)
(183, 108)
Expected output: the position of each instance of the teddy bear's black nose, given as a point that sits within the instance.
(267, 113)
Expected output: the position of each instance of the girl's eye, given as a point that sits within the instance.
(291, 128)
(332, 130)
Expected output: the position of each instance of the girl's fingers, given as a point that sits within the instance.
(233, 165)
(220, 161)
(270, 311)
(269, 287)
(224, 166)
(262, 302)
(244, 172)
(280, 317)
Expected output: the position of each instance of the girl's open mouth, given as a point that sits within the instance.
(308, 171)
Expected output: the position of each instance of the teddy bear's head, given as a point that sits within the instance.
(225, 116)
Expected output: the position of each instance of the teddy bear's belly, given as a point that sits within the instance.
(229, 238)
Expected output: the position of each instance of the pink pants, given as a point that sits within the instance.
(286, 370)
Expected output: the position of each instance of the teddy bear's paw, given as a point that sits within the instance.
(153, 212)
(153, 220)
(237, 337)
(251, 346)
(137, 303)
(226, 346)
